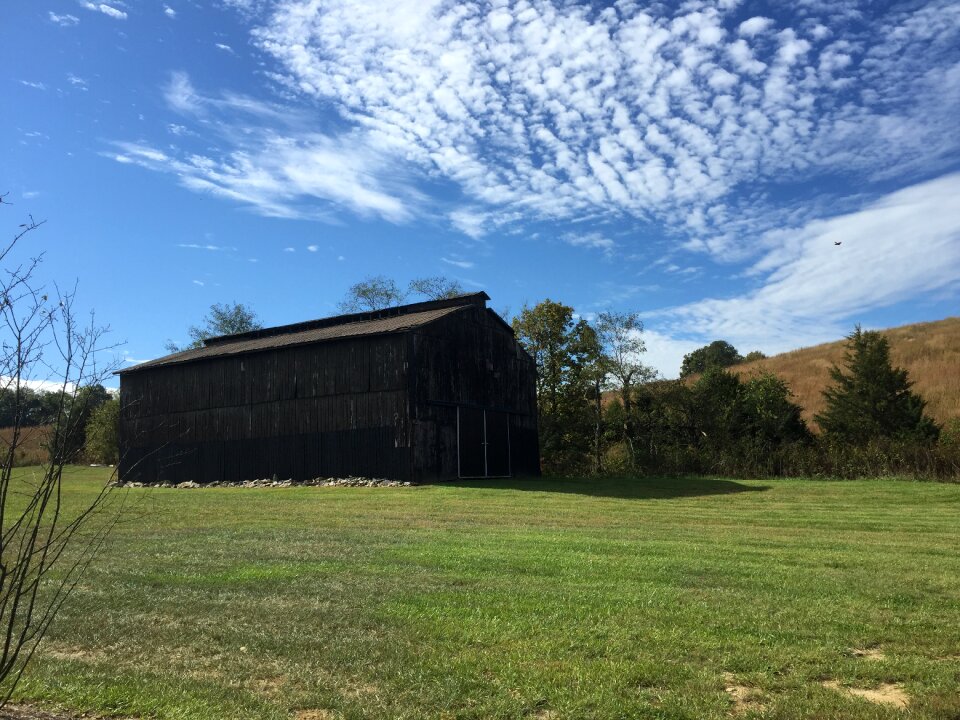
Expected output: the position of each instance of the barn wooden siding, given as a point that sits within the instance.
(470, 360)
(330, 409)
(384, 405)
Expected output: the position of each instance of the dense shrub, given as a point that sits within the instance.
(103, 433)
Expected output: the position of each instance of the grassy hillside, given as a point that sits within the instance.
(530, 599)
(929, 351)
(31, 448)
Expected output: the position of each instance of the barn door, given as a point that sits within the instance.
(483, 443)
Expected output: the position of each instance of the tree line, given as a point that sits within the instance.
(602, 410)
(86, 422)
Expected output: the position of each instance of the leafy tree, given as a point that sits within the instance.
(564, 350)
(27, 404)
(619, 336)
(773, 417)
(720, 413)
(872, 400)
(375, 292)
(436, 287)
(718, 354)
(754, 355)
(223, 319)
(103, 433)
(79, 407)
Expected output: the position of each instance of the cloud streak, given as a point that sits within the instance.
(280, 168)
(107, 10)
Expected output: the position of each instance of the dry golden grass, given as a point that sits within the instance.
(929, 351)
(30, 450)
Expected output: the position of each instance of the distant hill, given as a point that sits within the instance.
(929, 351)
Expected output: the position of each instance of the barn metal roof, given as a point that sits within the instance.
(378, 322)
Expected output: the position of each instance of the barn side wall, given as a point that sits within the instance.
(470, 360)
(329, 409)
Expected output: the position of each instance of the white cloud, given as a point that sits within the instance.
(37, 385)
(755, 26)
(313, 248)
(194, 246)
(169, 12)
(199, 282)
(276, 165)
(225, 48)
(904, 245)
(180, 95)
(107, 10)
(559, 111)
(30, 194)
(289, 249)
(592, 240)
(470, 223)
(464, 264)
(63, 20)
(35, 85)
(77, 82)
(665, 353)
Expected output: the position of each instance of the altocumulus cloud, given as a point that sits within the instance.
(561, 110)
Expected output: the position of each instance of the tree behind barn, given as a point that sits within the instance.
(222, 319)
(872, 400)
(563, 349)
(377, 292)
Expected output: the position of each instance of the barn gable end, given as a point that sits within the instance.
(376, 394)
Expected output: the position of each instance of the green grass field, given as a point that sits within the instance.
(659, 598)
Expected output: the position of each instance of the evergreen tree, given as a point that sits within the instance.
(872, 400)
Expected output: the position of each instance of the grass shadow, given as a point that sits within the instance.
(636, 488)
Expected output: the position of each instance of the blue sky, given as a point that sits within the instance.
(696, 162)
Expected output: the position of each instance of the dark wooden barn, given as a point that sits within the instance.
(428, 391)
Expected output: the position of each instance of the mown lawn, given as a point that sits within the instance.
(659, 598)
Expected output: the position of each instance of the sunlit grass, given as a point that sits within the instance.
(511, 599)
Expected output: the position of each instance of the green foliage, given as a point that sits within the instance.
(872, 400)
(71, 424)
(772, 416)
(103, 433)
(223, 319)
(566, 354)
(753, 355)
(950, 434)
(717, 355)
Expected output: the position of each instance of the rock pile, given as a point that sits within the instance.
(275, 482)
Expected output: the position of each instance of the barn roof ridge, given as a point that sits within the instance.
(401, 318)
(477, 298)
